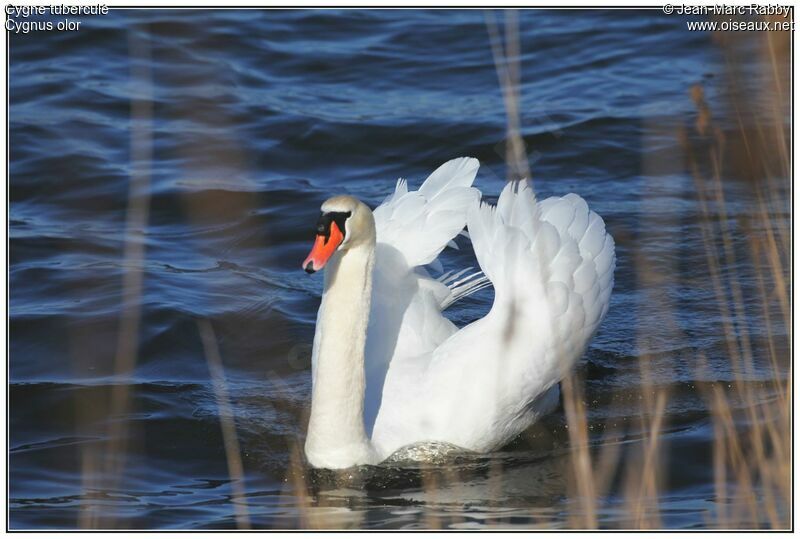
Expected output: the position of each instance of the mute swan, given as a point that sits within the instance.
(389, 371)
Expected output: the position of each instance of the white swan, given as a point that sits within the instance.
(551, 264)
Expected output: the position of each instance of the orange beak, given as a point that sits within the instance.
(323, 250)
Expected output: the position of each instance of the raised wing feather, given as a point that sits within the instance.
(421, 223)
(550, 262)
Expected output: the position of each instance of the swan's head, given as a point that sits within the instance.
(345, 222)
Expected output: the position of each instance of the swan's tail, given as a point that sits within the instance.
(462, 285)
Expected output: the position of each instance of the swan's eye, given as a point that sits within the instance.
(339, 218)
(325, 220)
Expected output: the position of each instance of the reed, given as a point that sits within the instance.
(103, 472)
(752, 453)
(750, 421)
(227, 421)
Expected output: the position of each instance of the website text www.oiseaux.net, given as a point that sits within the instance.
(740, 26)
(752, 18)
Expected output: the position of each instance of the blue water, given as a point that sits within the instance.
(192, 148)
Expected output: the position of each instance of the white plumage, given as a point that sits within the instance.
(551, 265)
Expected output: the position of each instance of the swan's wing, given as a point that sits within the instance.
(420, 224)
(552, 261)
(551, 265)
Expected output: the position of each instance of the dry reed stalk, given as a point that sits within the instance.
(299, 487)
(495, 487)
(298, 482)
(107, 474)
(200, 211)
(582, 471)
(755, 456)
(506, 61)
(227, 422)
(728, 452)
(430, 484)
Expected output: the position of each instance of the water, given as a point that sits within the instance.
(207, 140)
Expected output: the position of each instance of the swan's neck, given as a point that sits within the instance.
(336, 436)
